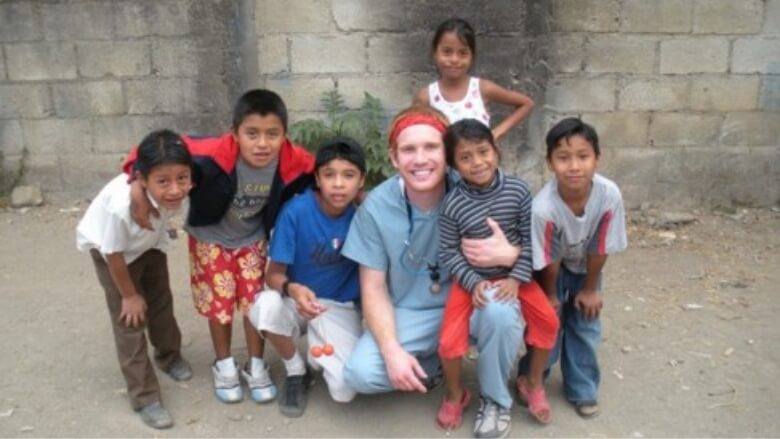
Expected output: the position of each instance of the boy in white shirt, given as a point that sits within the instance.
(133, 271)
(577, 219)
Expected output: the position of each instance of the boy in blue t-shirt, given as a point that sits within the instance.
(312, 287)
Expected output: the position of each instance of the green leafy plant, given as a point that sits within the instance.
(364, 124)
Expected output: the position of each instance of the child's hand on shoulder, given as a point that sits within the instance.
(589, 303)
(478, 298)
(305, 300)
(133, 311)
(506, 289)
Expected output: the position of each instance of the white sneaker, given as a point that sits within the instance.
(261, 388)
(227, 387)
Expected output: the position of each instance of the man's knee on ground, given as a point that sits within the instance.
(358, 375)
(501, 316)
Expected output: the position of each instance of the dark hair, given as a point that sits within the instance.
(470, 130)
(462, 29)
(568, 128)
(343, 148)
(262, 102)
(163, 147)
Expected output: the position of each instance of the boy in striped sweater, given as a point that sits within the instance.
(483, 196)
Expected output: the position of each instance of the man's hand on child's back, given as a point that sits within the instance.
(133, 311)
(140, 207)
(589, 303)
(306, 301)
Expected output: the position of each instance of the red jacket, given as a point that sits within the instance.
(214, 175)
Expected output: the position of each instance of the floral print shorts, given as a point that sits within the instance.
(224, 279)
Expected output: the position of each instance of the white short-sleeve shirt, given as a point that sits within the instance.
(108, 227)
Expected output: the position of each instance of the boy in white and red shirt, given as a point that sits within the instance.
(577, 220)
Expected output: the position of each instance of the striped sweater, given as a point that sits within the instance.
(466, 208)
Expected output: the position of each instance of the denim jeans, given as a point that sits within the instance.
(578, 340)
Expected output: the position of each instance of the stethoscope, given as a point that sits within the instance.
(433, 268)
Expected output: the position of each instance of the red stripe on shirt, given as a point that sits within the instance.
(603, 229)
(549, 230)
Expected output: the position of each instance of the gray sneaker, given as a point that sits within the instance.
(493, 421)
(179, 370)
(155, 416)
(292, 401)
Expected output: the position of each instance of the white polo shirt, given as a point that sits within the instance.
(108, 227)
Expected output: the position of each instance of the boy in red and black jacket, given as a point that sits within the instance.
(241, 180)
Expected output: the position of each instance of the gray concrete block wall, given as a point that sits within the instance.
(693, 114)
(82, 81)
(685, 93)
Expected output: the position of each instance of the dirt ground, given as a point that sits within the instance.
(690, 346)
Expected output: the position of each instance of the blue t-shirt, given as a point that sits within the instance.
(309, 242)
(379, 239)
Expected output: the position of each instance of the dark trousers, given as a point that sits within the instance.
(149, 274)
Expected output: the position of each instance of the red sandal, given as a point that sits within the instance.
(450, 415)
(536, 400)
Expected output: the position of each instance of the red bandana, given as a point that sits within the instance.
(416, 119)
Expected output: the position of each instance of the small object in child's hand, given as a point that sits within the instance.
(316, 351)
(327, 350)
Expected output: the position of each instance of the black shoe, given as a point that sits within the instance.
(292, 402)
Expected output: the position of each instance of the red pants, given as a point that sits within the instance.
(540, 317)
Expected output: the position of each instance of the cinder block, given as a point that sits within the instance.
(372, 15)
(88, 98)
(573, 94)
(751, 128)
(140, 18)
(273, 16)
(499, 56)
(620, 53)
(724, 93)
(117, 134)
(78, 20)
(181, 57)
(620, 129)
(772, 18)
(684, 129)
(742, 176)
(754, 55)
(25, 100)
(20, 21)
(43, 170)
(314, 54)
(770, 93)
(567, 53)
(117, 58)
(58, 137)
(395, 91)
(87, 174)
(272, 54)
(301, 93)
(152, 96)
(11, 138)
(728, 16)
(40, 61)
(656, 16)
(654, 94)
(694, 55)
(586, 15)
(399, 53)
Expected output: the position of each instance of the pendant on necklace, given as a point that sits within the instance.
(435, 288)
(335, 243)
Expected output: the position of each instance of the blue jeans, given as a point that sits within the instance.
(578, 340)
